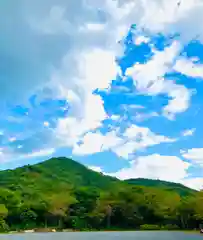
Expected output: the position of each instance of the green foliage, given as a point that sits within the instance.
(62, 193)
(3, 226)
(27, 215)
(169, 186)
(3, 211)
(150, 227)
(170, 227)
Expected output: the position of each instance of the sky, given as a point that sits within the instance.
(114, 84)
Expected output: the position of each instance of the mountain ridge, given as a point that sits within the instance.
(77, 170)
(64, 193)
(180, 188)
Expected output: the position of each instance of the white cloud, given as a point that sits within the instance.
(71, 129)
(57, 24)
(133, 139)
(96, 68)
(189, 67)
(145, 116)
(141, 39)
(80, 49)
(126, 149)
(144, 136)
(1, 152)
(179, 103)
(40, 153)
(96, 142)
(119, 16)
(173, 18)
(165, 14)
(194, 154)
(134, 106)
(7, 155)
(148, 77)
(54, 23)
(95, 168)
(169, 168)
(188, 132)
(115, 117)
(195, 183)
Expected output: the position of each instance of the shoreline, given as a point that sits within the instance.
(76, 231)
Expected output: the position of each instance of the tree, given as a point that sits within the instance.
(28, 218)
(3, 215)
(59, 205)
(186, 212)
(108, 214)
(3, 211)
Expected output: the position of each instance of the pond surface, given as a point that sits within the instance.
(146, 235)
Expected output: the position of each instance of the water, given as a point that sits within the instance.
(104, 235)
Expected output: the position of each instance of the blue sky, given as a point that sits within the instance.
(116, 85)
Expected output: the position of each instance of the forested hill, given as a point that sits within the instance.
(63, 193)
(63, 172)
(170, 186)
(54, 174)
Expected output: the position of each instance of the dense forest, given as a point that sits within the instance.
(64, 194)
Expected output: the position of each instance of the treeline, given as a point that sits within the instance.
(37, 199)
(88, 208)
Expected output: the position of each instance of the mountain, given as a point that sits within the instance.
(61, 173)
(64, 193)
(169, 186)
(54, 174)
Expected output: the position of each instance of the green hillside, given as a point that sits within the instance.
(169, 186)
(63, 193)
(54, 174)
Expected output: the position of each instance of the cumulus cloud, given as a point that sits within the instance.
(126, 149)
(162, 168)
(64, 25)
(180, 101)
(169, 168)
(149, 78)
(96, 142)
(133, 139)
(194, 154)
(195, 183)
(67, 49)
(174, 18)
(70, 129)
(145, 137)
(189, 67)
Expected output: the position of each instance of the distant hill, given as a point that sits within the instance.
(169, 186)
(64, 173)
(54, 174)
(63, 193)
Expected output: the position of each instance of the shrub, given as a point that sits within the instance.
(3, 226)
(149, 227)
(170, 227)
